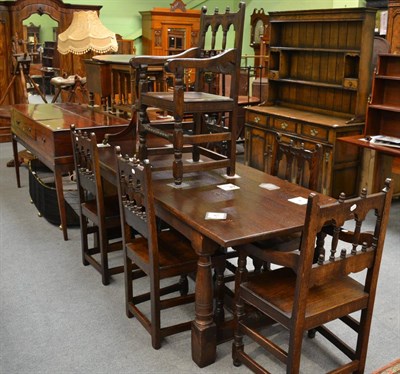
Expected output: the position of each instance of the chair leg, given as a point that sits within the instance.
(105, 276)
(56, 95)
(197, 130)
(178, 146)
(128, 283)
(294, 351)
(362, 339)
(241, 274)
(155, 314)
(71, 93)
(84, 238)
(237, 345)
(183, 285)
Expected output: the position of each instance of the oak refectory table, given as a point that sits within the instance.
(257, 207)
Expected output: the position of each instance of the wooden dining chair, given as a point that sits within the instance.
(298, 165)
(160, 254)
(98, 210)
(213, 108)
(304, 295)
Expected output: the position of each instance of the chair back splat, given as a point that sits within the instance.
(304, 294)
(204, 115)
(159, 254)
(297, 164)
(99, 212)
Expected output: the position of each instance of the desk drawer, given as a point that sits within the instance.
(24, 126)
(282, 124)
(45, 141)
(257, 118)
(315, 132)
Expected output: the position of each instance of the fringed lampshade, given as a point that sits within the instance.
(86, 33)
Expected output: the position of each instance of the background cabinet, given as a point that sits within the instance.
(50, 56)
(393, 32)
(319, 82)
(167, 31)
(32, 38)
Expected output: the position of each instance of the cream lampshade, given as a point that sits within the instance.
(86, 33)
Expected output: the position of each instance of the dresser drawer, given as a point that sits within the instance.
(351, 83)
(315, 132)
(257, 118)
(282, 124)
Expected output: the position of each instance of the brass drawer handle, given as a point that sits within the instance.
(284, 125)
(257, 119)
(314, 132)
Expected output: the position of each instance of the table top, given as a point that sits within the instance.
(59, 117)
(113, 59)
(252, 212)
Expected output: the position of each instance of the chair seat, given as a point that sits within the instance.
(175, 254)
(193, 101)
(70, 81)
(282, 243)
(322, 301)
(111, 207)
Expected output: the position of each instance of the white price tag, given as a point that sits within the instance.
(298, 200)
(215, 215)
(228, 187)
(269, 186)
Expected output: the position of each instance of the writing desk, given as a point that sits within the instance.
(111, 77)
(253, 213)
(383, 118)
(379, 162)
(44, 129)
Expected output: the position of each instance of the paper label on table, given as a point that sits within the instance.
(298, 200)
(269, 186)
(215, 215)
(236, 176)
(228, 187)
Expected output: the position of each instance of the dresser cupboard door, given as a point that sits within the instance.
(258, 148)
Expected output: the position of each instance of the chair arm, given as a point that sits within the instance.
(221, 63)
(287, 259)
(139, 61)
